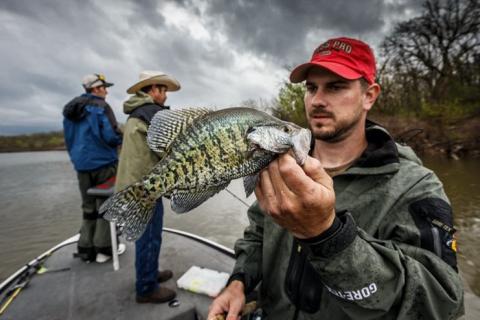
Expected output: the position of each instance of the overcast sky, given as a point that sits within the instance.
(222, 52)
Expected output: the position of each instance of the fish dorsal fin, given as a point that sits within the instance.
(166, 125)
(182, 202)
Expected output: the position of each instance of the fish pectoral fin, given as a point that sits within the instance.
(166, 125)
(249, 183)
(182, 202)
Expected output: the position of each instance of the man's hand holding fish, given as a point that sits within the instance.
(299, 198)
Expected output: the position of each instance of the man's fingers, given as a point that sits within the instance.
(235, 310)
(315, 171)
(232, 317)
(281, 189)
(299, 179)
(312, 168)
(293, 175)
(266, 186)
(216, 312)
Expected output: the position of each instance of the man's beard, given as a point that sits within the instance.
(340, 130)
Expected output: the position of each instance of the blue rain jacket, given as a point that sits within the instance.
(91, 133)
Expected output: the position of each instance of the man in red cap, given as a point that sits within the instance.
(362, 230)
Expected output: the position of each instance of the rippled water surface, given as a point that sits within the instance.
(40, 206)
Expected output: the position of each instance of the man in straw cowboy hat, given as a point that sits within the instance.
(136, 159)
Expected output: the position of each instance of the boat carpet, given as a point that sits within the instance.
(96, 291)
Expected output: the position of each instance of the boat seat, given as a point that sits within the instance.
(103, 190)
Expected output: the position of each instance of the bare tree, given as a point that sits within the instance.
(436, 47)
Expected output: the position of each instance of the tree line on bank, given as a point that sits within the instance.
(32, 142)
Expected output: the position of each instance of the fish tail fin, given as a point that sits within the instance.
(131, 208)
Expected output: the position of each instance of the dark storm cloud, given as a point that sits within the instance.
(280, 28)
(287, 31)
(240, 54)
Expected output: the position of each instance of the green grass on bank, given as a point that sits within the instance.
(32, 142)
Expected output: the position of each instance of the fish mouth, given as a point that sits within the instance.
(273, 139)
(279, 148)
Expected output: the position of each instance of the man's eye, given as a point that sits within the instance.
(335, 87)
(311, 89)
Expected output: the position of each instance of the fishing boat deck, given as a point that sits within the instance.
(73, 289)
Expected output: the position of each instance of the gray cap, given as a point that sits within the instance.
(95, 80)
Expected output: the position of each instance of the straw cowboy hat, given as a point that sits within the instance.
(148, 78)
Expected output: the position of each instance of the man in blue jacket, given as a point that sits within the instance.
(92, 137)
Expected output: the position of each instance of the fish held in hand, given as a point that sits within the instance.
(201, 152)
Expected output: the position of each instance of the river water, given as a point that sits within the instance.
(40, 206)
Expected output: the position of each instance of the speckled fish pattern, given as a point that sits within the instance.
(200, 159)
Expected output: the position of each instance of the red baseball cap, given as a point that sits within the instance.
(349, 58)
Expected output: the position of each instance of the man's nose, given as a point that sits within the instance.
(318, 99)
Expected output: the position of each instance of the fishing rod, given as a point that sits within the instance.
(23, 276)
(236, 197)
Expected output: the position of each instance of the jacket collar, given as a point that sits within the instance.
(92, 96)
(381, 155)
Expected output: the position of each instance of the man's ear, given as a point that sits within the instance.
(371, 95)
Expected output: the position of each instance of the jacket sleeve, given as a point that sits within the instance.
(101, 127)
(111, 118)
(68, 134)
(108, 132)
(248, 251)
(397, 274)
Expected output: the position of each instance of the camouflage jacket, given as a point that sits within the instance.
(390, 253)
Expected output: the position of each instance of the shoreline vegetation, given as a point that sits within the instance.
(455, 140)
(48, 141)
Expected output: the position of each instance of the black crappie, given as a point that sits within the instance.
(202, 152)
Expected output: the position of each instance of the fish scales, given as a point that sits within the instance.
(203, 156)
(215, 148)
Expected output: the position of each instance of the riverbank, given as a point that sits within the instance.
(435, 137)
(47, 141)
(450, 139)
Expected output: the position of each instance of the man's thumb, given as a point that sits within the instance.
(314, 169)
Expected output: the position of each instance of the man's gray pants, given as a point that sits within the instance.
(95, 231)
